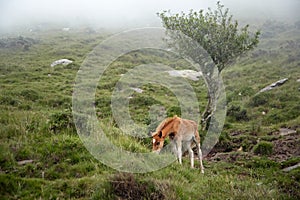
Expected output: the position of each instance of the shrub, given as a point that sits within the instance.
(30, 94)
(6, 157)
(174, 110)
(260, 99)
(9, 100)
(263, 148)
(237, 113)
(126, 186)
(258, 162)
(278, 116)
(141, 101)
(61, 120)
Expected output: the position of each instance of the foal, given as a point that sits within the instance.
(179, 131)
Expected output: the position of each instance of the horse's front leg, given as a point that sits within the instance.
(179, 151)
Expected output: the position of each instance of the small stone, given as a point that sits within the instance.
(24, 162)
(138, 90)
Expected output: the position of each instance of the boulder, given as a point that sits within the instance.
(287, 169)
(61, 62)
(274, 85)
(286, 131)
(190, 74)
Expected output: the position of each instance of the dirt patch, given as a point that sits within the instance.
(126, 186)
(286, 147)
(19, 42)
(229, 156)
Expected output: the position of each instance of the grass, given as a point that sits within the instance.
(36, 124)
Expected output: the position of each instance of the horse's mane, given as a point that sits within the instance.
(164, 123)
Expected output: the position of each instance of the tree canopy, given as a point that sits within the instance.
(215, 31)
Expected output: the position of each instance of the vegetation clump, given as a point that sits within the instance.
(126, 186)
(263, 148)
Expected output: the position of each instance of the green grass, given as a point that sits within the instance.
(36, 124)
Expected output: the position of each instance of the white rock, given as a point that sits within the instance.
(273, 85)
(61, 62)
(286, 131)
(24, 162)
(291, 168)
(138, 90)
(66, 29)
(190, 74)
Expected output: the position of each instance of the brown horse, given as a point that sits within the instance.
(180, 131)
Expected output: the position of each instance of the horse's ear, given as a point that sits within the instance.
(160, 134)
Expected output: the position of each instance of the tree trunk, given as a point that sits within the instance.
(213, 89)
(206, 115)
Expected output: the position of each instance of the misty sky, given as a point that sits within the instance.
(132, 12)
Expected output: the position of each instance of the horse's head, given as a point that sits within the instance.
(157, 141)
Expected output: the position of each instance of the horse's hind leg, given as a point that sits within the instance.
(200, 158)
(191, 154)
(199, 155)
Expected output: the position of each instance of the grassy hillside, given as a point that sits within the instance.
(41, 155)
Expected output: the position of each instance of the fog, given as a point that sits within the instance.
(130, 13)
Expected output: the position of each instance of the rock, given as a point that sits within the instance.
(287, 169)
(66, 29)
(61, 62)
(240, 149)
(138, 90)
(24, 162)
(286, 131)
(274, 85)
(190, 74)
(298, 80)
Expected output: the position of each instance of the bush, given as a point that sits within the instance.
(6, 157)
(258, 162)
(260, 99)
(30, 94)
(237, 113)
(174, 110)
(278, 116)
(263, 148)
(9, 100)
(143, 101)
(61, 120)
(126, 186)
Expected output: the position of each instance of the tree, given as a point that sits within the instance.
(217, 33)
